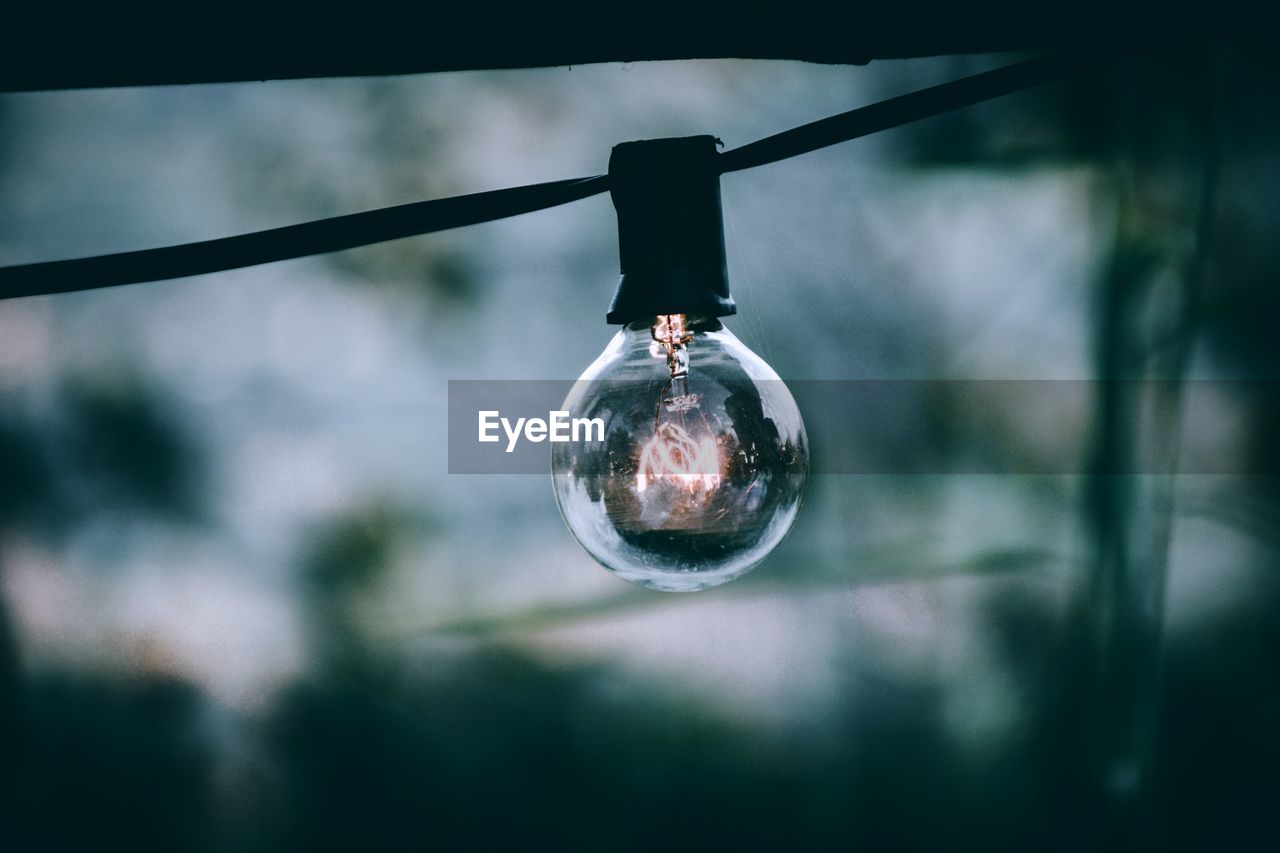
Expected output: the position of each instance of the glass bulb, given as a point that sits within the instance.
(703, 462)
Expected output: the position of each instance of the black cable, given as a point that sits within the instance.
(362, 229)
(898, 111)
(292, 241)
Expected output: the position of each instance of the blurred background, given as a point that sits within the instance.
(243, 605)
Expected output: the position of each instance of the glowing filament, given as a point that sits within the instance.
(673, 455)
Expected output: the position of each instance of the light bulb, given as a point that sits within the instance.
(704, 457)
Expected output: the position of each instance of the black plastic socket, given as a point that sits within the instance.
(670, 229)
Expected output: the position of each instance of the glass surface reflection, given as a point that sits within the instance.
(703, 463)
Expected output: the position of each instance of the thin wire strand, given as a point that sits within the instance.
(425, 217)
(895, 112)
(293, 241)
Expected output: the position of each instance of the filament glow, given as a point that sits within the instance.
(674, 456)
(704, 459)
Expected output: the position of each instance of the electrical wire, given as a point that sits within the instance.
(425, 217)
(904, 109)
(292, 241)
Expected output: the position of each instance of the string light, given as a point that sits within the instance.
(362, 229)
(704, 457)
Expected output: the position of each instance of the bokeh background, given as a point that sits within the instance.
(243, 605)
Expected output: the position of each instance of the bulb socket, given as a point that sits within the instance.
(670, 229)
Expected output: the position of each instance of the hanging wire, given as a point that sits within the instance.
(292, 241)
(425, 217)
